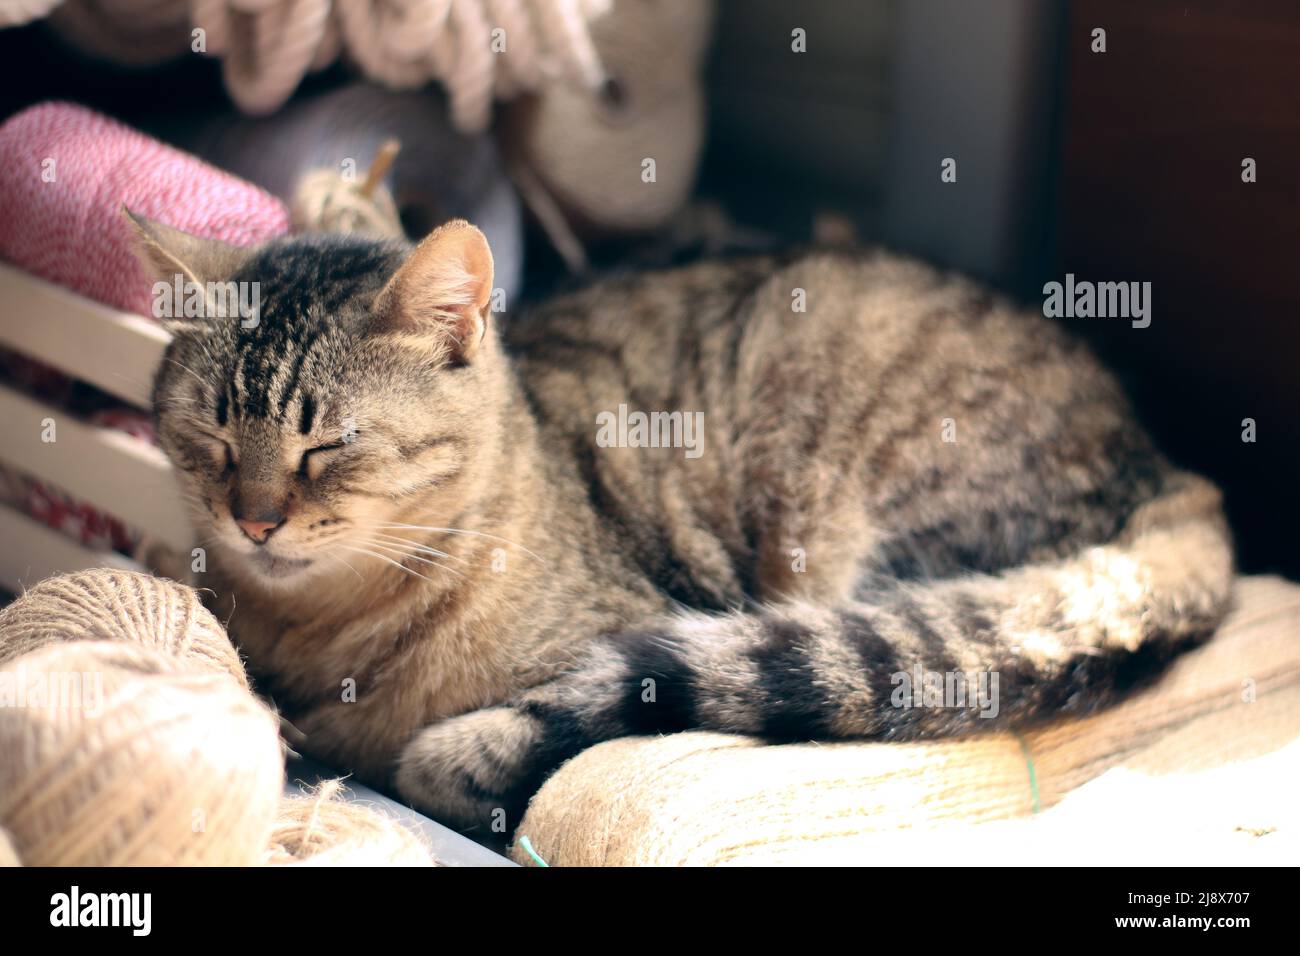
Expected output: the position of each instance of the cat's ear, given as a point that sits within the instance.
(167, 252)
(443, 289)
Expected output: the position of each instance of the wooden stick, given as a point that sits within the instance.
(379, 168)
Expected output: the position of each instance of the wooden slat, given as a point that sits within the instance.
(32, 552)
(112, 350)
(126, 477)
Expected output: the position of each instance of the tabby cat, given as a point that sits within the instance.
(449, 577)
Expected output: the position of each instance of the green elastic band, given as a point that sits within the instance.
(527, 844)
(1033, 777)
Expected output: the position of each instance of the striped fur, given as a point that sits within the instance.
(501, 591)
(1064, 638)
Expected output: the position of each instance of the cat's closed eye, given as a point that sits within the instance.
(315, 460)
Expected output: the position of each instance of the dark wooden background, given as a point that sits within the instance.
(1153, 135)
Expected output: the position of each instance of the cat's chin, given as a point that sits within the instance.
(277, 569)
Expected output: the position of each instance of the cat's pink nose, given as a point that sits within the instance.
(258, 531)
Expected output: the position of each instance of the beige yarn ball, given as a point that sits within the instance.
(587, 148)
(325, 830)
(106, 604)
(113, 754)
(323, 201)
(124, 741)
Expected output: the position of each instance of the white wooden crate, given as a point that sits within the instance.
(118, 353)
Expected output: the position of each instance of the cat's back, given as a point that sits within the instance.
(855, 319)
(635, 312)
(912, 395)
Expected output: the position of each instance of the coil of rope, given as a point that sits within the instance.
(478, 50)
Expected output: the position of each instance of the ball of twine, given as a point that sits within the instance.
(123, 606)
(119, 755)
(325, 201)
(325, 830)
(129, 736)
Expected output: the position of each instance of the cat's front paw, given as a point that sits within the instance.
(474, 772)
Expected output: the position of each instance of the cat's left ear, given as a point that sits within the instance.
(443, 289)
(167, 252)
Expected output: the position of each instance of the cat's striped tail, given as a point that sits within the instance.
(919, 660)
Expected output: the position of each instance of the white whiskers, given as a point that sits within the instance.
(481, 534)
(398, 565)
(405, 553)
(423, 548)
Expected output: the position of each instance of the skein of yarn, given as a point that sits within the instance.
(121, 756)
(325, 201)
(129, 736)
(68, 171)
(477, 49)
(128, 607)
(474, 48)
(325, 830)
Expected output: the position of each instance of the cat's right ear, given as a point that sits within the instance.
(442, 292)
(167, 252)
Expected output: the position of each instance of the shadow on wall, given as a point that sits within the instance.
(864, 120)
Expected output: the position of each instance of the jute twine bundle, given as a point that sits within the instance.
(129, 736)
(112, 605)
(1223, 717)
(324, 201)
(325, 830)
(148, 764)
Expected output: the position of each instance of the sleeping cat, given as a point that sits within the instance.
(452, 574)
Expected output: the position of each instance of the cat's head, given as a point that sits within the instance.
(321, 391)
